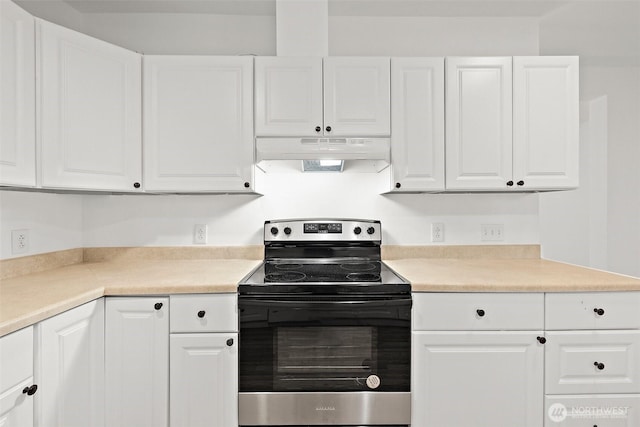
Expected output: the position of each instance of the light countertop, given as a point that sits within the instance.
(506, 275)
(29, 298)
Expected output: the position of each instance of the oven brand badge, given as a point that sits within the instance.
(373, 381)
(325, 408)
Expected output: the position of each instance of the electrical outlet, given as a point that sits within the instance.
(437, 232)
(492, 232)
(19, 241)
(200, 234)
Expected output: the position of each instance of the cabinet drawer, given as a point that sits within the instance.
(592, 410)
(477, 311)
(204, 313)
(16, 358)
(592, 362)
(593, 310)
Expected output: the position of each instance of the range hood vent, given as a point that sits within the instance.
(359, 154)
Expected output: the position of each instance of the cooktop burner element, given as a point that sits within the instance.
(363, 277)
(319, 256)
(358, 266)
(289, 276)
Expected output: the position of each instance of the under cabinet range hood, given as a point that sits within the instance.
(358, 154)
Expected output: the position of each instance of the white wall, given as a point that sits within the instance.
(601, 221)
(194, 34)
(54, 221)
(429, 36)
(573, 223)
(238, 219)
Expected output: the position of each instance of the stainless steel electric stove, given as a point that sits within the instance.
(324, 329)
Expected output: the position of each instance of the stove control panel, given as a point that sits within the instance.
(319, 227)
(322, 230)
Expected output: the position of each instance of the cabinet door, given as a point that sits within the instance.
(204, 380)
(137, 361)
(89, 107)
(198, 123)
(17, 97)
(545, 121)
(477, 379)
(417, 118)
(357, 96)
(288, 96)
(16, 374)
(479, 123)
(70, 368)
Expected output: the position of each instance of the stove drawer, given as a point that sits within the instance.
(477, 311)
(592, 362)
(204, 313)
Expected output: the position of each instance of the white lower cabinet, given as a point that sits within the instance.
(70, 368)
(592, 359)
(17, 390)
(477, 379)
(203, 367)
(477, 360)
(204, 380)
(137, 361)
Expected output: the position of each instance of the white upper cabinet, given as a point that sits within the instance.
(525, 139)
(545, 121)
(288, 96)
(198, 123)
(479, 123)
(89, 111)
(17, 97)
(336, 96)
(357, 96)
(417, 119)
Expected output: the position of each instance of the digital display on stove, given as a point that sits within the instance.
(331, 227)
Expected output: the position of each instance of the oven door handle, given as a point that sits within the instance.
(307, 302)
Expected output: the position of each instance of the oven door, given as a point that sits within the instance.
(324, 344)
(325, 361)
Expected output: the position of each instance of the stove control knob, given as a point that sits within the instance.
(287, 230)
(371, 230)
(274, 230)
(357, 230)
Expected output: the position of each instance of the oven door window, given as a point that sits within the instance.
(323, 347)
(329, 357)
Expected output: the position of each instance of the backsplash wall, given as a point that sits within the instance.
(54, 221)
(238, 219)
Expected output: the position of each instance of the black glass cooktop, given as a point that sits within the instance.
(290, 275)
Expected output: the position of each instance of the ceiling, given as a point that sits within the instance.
(435, 8)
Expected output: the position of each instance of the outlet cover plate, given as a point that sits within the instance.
(200, 234)
(19, 241)
(492, 232)
(437, 232)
